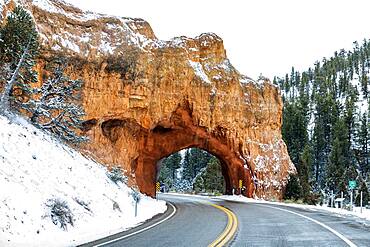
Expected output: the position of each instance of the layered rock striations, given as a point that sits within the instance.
(146, 98)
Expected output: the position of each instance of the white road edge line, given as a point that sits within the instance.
(346, 240)
(142, 230)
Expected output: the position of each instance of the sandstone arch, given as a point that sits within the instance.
(181, 132)
(145, 98)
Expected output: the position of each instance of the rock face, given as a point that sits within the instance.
(146, 99)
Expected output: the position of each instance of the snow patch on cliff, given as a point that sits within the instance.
(35, 168)
(78, 15)
(244, 80)
(47, 6)
(2, 4)
(198, 70)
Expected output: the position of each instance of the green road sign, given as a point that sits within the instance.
(352, 184)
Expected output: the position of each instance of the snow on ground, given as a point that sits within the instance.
(35, 168)
(365, 212)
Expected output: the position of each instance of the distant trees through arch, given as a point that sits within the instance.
(192, 170)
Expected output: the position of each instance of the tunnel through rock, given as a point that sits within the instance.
(177, 133)
(191, 170)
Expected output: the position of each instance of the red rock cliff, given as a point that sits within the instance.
(146, 98)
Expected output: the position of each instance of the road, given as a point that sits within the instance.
(198, 223)
(270, 225)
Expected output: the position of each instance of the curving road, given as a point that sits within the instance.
(275, 225)
(197, 223)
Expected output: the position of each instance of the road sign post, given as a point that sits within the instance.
(136, 196)
(332, 199)
(240, 186)
(361, 202)
(352, 186)
(157, 188)
(135, 208)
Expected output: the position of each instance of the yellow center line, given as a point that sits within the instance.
(230, 230)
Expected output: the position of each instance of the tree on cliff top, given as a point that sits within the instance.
(18, 49)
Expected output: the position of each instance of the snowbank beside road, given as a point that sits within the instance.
(356, 212)
(36, 171)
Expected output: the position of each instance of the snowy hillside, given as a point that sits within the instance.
(36, 171)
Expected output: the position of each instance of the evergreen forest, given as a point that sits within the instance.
(326, 124)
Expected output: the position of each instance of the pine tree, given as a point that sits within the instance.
(199, 184)
(294, 128)
(210, 179)
(56, 106)
(340, 168)
(173, 162)
(194, 161)
(213, 178)
(167, 173)
(349, 117)
(363, 141)
(165, 176)
(326, 116)
(365, 195)
(188, 172)
(18, 50)
(305, 166)
(293, 190)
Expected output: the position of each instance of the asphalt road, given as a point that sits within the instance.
(270, 225)
(197, 223)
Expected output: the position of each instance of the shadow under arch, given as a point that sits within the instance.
(181, 132)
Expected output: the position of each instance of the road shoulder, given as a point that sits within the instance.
(148, 224)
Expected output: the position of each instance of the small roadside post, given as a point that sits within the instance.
(157, 188)
(352, 186)
(136, 196)
(341, 197)
(332, 199)
(361, 202)
(240, 186)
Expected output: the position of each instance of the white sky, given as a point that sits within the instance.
(260, 36)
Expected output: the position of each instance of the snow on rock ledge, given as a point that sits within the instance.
(35, 168)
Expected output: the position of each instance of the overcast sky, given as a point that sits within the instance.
(260, 36)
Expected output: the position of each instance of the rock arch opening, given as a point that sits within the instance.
(180, 132)
(192, 170)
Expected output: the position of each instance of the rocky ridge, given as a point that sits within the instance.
(146, 98)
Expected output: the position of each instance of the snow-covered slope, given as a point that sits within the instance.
(35, 168)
